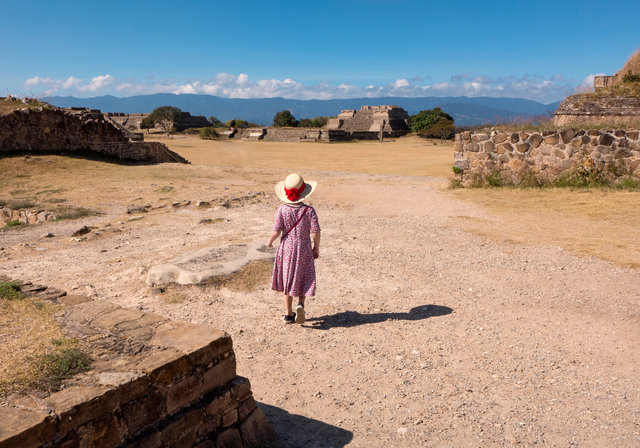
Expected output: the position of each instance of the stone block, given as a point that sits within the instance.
(473, 147)
(103, 432)
(108, 321)
(22, 428)
(220, 374)
(257, 431)
(559, 153)
(184, 392)
(552, 139)
(515, 137)
(633, 135)
(229, 439)
(619, 133)
(499, 137)
(535, 140)
(86, 312)
(504, 158)
(141, 413)
(245, 408)
(567, 135)
(523, 136)
(152, 440)
(522, 147)
(220, 404)
(488, 146)
(128, 386)
(164, 365)
(479, 137)
(458, 146)
(73, 299)
(200, 343)
(208, 426)
(77, 405)
(186, 441)
(184, 425)
(206, 444)
(505, 147)
(606, 139)
(230, 418)
(241, 388)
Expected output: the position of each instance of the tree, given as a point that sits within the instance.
(215, 122)
(316, 122)
(147, 123)
(166, 117)
(284, 119)
(443, 128)
(427, 118)
(238, 123)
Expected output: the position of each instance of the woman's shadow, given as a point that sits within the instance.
(353, 318)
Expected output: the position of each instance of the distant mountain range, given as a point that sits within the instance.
(465, 111)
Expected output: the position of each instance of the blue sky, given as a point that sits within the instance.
(541, 50)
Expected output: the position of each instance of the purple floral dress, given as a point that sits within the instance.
(294, 272)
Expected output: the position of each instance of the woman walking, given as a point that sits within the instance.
(294, 272)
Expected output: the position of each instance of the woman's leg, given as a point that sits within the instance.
(300, 318)
(287, 303)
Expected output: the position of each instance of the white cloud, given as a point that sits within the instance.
(97, 83)
(544, 89)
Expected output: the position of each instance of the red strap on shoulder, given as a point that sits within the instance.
(296, 223)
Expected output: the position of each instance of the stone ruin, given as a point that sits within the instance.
(369, 121)
(597, 107)
(153, 383)
(132, 121)
(50, 129)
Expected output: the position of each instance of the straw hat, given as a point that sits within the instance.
(294, 182)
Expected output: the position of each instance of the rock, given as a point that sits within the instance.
(30, 288)
(133, 209)
(135, 218)
(81, 231)
(47, 235)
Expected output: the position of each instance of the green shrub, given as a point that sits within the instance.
(209, 133)
(15, 223)
(55, 367)
(74, 213)
(10, 290)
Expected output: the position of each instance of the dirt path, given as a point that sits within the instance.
(420, 335)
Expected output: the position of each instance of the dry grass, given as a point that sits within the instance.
(254, 274)
(598, 223)
(35, 354)
(595, 223)
(409, 155)
(7, 107)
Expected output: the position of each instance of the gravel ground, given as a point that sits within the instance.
(420, 334)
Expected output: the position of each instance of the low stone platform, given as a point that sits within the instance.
(153, 383)
(205, 264)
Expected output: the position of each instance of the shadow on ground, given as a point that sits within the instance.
(353, 318)
(297, 430)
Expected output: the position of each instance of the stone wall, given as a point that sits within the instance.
(25, 216)
(132, 121)
(591, 108)
(308, 134)
(153, 383)
(546, 155)
(52, 130)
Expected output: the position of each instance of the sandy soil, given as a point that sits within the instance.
(421, 333)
